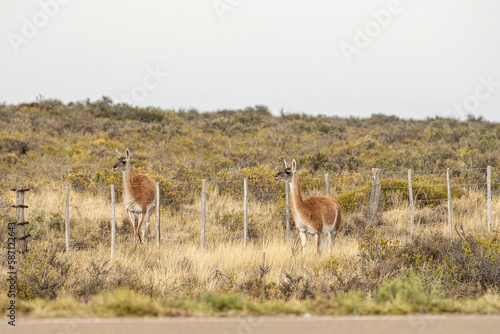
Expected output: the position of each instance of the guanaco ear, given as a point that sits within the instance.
(118, 154)
(294, 166)
(286, 165)
(127, 152)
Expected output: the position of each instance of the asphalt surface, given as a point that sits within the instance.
(452, 324)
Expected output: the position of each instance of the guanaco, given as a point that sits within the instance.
(139, 194)
(315, 215)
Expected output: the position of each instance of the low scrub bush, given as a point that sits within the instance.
(463, 266)
(46, 273)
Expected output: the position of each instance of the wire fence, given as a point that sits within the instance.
(249, 210)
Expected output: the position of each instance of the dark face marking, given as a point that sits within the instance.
(120, 164)
(284, 175)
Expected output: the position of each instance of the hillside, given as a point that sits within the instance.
(48, 139)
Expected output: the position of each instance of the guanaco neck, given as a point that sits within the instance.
(296, 193)
(127, 176)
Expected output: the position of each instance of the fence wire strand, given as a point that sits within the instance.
(262, 209)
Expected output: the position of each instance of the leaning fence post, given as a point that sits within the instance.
(488, 195)
(203, 212)
(410, 192)
(113, 222)
(21, 229)
(448, 185)
(158, 235)
(67, 220)
(245, 213)
(374, 196)
(287, 212)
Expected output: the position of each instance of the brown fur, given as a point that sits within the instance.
(139, 193)
(143, 189)
(317, 215)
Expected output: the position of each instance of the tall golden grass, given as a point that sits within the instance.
(225, 261)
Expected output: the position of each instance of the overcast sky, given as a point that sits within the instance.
(410, 58)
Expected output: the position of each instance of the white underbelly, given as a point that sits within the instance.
(302, 225)
(131, 205)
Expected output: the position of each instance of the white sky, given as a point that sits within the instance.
(284, 54)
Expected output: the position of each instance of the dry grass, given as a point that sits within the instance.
(180, 257)
(179, 267)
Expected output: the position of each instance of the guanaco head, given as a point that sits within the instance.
(287, 173)
(123, 161)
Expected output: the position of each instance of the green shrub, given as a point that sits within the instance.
(223, 303)
(42, 273)
(56, 221)
(374, 248)
(467, 265)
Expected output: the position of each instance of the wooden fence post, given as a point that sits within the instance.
(245, 213)
(113, 222)
(67, 220)
(448, 185)
(374, 197)
(21, 224)
(287, 212)
(158, 235)
(410, 192)
(488, 195)
(203, 212)
(327, 184)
